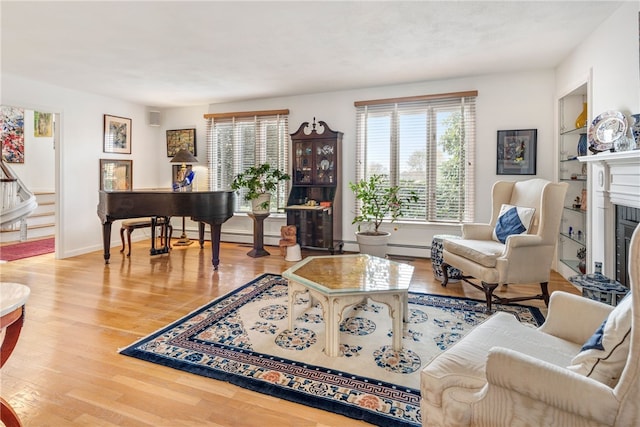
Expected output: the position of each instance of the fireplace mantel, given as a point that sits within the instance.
(614, 179)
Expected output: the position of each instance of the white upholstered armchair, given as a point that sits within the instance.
(575, 370)
(517, 246)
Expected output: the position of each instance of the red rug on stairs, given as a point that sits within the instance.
(27, 249)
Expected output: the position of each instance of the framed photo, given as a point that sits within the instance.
(181, 138)
(517, 152)
(116, 175)
(117, 135)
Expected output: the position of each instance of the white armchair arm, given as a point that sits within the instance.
(523, 240)
(574, 318)
(550, 384)
(477, 231)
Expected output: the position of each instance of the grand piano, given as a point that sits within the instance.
(211, 207)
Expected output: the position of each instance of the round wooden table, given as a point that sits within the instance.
(13, 297)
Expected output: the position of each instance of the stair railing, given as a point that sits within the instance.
(17, 201)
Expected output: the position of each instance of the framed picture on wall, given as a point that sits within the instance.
(181, 138)
(517, 152)
(42, 124)
(117, 135)
(12, 134)
(116, 175)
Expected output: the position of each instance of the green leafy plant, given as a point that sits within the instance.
(378, 202)
(258, 180)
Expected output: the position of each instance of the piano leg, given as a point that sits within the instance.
(106, 240)
(201, 234)
(215, 244)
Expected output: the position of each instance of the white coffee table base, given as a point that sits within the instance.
(333, 307)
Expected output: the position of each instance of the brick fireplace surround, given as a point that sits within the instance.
(614, 180)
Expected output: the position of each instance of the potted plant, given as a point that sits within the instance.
(259, 181)
(377, 203)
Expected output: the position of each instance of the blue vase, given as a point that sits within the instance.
(582, 145)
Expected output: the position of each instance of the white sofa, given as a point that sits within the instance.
(504, 373)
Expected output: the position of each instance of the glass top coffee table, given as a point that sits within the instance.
(337, 282)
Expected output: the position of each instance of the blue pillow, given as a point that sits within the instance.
(595, 341)
(512, 220)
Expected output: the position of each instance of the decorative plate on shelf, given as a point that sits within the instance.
(606, 129)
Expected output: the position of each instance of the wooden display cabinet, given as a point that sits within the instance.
(314, 202)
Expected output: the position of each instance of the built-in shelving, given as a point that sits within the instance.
(573, 228)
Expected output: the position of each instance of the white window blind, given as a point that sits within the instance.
(236, 141)
(425, 144)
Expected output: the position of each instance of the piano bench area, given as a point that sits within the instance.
(128, 225)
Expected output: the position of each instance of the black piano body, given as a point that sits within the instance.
(210, 207)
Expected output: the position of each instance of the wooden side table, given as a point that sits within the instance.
(13, 297)
(258, 236)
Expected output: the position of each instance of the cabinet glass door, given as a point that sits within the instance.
(303, 162)
(325, 163)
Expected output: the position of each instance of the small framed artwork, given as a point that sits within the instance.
(181, 138)
(116, 175)
(517, 152)
(42, 124)
(117, 135)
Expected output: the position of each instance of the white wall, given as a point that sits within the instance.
(611, 54)
(81, 125)
(505, 101)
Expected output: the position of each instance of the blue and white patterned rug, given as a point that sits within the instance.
(243, 338)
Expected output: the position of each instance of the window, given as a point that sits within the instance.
(425, 144)
(236, 141)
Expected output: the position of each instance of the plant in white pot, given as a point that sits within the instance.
(377, 202)
(259, 182)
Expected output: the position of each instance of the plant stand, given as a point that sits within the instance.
(258, 236)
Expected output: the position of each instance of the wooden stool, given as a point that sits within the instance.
(132, 224)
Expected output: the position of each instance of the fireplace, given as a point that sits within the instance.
(627, 218)
(614, 190)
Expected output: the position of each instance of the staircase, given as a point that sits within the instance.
(40, 223)
(24, 215)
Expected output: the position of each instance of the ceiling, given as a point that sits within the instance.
(179, 53)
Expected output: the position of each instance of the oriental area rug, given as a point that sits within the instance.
(243, 338)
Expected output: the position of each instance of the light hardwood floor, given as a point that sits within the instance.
(66, 370)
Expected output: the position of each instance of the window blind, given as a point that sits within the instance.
(424, 144)
(236, 141)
